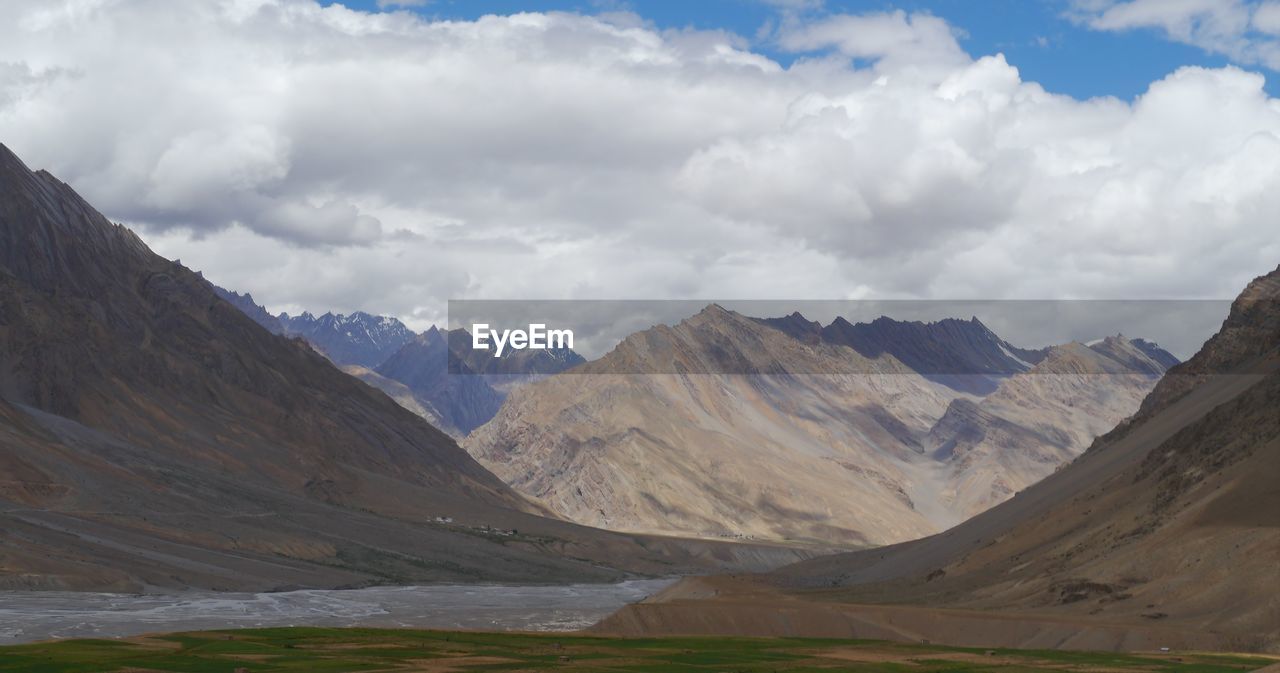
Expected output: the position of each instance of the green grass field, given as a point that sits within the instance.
(336, 650)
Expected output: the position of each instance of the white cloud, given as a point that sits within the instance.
(1266, 18)
(895, 39)
(327, 158)
(1242, 30)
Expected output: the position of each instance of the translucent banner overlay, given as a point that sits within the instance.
(826, 337)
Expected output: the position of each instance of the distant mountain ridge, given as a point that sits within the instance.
(750, 427)
(459, 401)
(963, 354)
(513, 363)
(358, 338)
(974, 448)
(249, 307)
(437, 374)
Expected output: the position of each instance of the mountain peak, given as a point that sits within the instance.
(962, 352)
(840, 322)
(53, 239)
(797, 326)
(10, 160)
(714, 309)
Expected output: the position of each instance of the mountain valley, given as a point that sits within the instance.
(1164, 533)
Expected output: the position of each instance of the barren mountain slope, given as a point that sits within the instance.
(827, 457)
(1037, 420)
(766, 429)
(152, 434)
(1166, 532)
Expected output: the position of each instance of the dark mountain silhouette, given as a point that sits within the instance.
(151, 434)
(963, 354)
(249, 307)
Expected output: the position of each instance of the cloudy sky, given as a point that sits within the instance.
(391, 157)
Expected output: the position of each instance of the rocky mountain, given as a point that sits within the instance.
(722, 455)
(358, 339)
(1153, 350)
(457, 401)
(152, 435)
(437, 374)
(780, 429)
(513, 367)
(457, 387)
(1165, 533)
(1040, 419)
(249, 307)
(963, 354)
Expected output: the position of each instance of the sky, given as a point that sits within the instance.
(328, 156)
(1045, 39)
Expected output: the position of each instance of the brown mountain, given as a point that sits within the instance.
(1038, 420)
(775, 431)
(1165, 533)
(152, 434)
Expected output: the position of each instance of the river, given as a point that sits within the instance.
(27, 616)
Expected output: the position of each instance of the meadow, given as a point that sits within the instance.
(321, 650)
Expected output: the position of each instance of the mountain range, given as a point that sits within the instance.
(414, 369)
(926, 424)
(159, 432)
(358, 339)
(783, 429)
(153, 435)
(963, 354)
